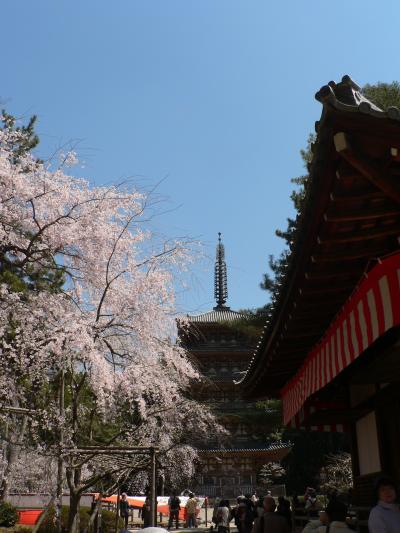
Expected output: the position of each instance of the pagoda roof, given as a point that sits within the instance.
(271, 449)
(349, 221)
(217, 316)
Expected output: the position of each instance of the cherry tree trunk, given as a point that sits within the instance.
(73, 516)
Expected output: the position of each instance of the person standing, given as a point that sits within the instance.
(215, 510)
(222, 517)
(313, 525)
(284, 510)
(174, 505)
(191, 509)
(146, 512)
(270, 522)
(124, 509)
(385, 516)
(239, 513)
(254, 499)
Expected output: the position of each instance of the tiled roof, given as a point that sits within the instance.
(270, 448)
(217, 315)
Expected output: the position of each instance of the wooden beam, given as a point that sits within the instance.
(327, 289)
(361, 214)
(302, 322)
(306, 333)
(308, 309)
(366, 254)
(376, 176)
(358, 236)
(334, 416)
(349, 201)
(333, 274)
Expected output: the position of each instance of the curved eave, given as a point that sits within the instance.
(216, 317)
(280, 448)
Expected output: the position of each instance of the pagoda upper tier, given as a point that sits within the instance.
(221, 312)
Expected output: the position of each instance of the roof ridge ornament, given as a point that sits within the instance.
(347, 96)
(347, 93)
(220, 277)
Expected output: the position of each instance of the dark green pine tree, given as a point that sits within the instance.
(28, 139)
(29, 276)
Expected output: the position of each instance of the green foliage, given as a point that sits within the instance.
(29, 277)
(309, 451)
(251, 326)
(28, 139)
(271, 474)
(23, 529)
(336, 474)
(278, 266)
(267, 419)
(17, 277)
(384, 95)
(8, 515)
(107, 520)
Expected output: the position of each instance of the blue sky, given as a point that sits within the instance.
(212, 98)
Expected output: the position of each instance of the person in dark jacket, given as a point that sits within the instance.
(243, 514)
(124, 509)
(174, 504)
(283, 509)
(146, 512)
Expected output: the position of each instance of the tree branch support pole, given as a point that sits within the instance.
(60, 465)
(117, 510)
(153, 488)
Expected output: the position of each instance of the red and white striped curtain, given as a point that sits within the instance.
(372, 310)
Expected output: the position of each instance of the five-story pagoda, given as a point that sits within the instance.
(222, 351)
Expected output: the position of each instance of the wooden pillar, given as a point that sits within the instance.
(60, 462)
(153, 489)
(117, 510)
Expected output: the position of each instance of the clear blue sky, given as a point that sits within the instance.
(215, 96)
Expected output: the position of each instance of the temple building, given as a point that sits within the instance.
(222, 352)
(331, 347)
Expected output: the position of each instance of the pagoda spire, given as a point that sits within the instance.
(220, 277)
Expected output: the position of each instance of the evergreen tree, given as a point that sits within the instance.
(21, 276)
(27, 139)
(384, 95)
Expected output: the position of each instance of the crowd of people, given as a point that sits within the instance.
(174, 505)
(254, 514)
(264, 515)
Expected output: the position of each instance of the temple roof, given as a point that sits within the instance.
(350, 219)
(279, 446)
(218, 315)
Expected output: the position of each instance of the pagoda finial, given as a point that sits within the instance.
(220, 281)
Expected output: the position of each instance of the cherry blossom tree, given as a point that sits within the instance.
(271, 473)
(337, 474)
(108, 328)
